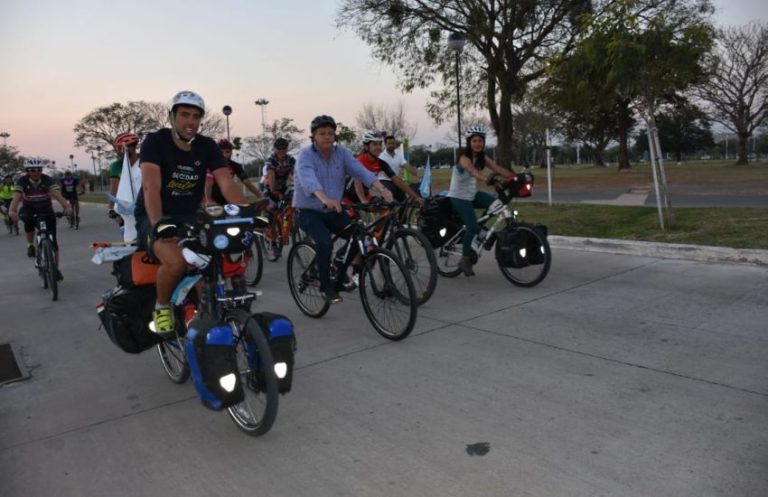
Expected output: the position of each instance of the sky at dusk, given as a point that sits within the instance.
(62, 59)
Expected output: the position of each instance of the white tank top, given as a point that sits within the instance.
(463, 184)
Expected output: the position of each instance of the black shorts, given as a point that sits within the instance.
(27, 217)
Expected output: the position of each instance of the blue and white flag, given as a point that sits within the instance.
(425, 188)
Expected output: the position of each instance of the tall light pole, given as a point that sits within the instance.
(262, 102)
(456, 42)
(5, 135)
(227, 110)
(71, 161)
(101, 176)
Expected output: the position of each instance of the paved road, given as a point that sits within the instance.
(619, 375)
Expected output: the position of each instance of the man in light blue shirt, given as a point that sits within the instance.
(319, 179)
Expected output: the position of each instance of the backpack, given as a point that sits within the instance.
(212, 359)
(136, 269)
(125, 314)
(436, 216)
(282, 343)
(511, 241)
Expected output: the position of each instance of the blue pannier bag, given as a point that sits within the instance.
(212, 359)
(282, 344)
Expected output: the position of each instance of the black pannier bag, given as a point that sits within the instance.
(511, 242)
(437, 215)
(125, 314)
(282, 344)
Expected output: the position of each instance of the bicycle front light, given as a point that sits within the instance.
(228, 382)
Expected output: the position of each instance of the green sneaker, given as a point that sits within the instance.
(31, 251)
(162, 321)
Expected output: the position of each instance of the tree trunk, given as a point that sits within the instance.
(743, 141)
(624, 121)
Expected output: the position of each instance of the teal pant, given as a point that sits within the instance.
(466, 210)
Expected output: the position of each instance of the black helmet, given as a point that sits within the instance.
(281, 144)
(321, 121)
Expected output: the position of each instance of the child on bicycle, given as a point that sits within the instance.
(465, 197)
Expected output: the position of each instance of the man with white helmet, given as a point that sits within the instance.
(173, 167)
(33, 192)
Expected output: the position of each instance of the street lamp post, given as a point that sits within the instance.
(456, 42)
(262, 102)
(71, 161)
(227, 110)
(101, 176)
(5, 135)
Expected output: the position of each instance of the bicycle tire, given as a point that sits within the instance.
(40, 263)
(303, 280)
(418, 256)
(172, 355)
(257, 412)
(448, 255)
(255, 267)
(388, 295)
(46, 248)
(532, 274)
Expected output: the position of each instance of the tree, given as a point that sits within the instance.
(390, 120)
(344, 134)
(10, 160)
(737, 91)
(101, 126)
(261, 147)
(506, 44)
(683, 129)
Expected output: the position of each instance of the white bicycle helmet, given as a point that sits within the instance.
(34, 163)
(372, 136)
(187, 98)
(475, 130)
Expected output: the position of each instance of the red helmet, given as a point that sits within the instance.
(225, 144)
(126, 139)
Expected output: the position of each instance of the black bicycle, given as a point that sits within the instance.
(391, 229)
(385, 285)
(45, 254)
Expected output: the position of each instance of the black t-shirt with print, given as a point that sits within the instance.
(35, 195)
(182, 183)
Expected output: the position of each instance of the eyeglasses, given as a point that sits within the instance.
(35, 170)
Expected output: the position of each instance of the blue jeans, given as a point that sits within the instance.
(320, 226)
(466, 210)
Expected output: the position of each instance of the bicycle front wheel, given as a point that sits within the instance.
(256, 413)
(448, 256)
(48, 259)
(172, 355)
(534, 258)
(413, 248)
(304, 280)
(387, 294)
(255, 262)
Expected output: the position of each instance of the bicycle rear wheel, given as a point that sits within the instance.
(533, 267)
(413, 248)
(448, 256)
(256, 414)
(304, 282)
(387, 294)
(255, 262)
(172, 354)
(48, 262)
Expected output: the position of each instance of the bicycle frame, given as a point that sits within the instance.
(502, 211)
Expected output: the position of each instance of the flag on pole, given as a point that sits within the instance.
(425, 188)
(125, 200)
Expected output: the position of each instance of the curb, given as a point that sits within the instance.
(703, 253)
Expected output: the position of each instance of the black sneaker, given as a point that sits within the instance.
(465, 264)
(332, 297)
(346, 284)
(31, 251)
(59, 276)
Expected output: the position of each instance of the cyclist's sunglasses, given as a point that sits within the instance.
(35, 169)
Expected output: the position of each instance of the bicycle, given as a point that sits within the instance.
(10, 224)
(209, 294)
(522, 251)
(411, 246)
(385, 285)
(281, 229)
(45, 255)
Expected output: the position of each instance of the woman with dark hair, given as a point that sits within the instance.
(463, 190)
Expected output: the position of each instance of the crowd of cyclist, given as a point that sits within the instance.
(181, 170)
